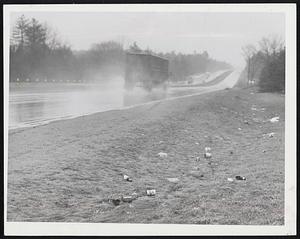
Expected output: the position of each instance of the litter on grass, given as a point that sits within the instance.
(162, 155)
(127, 178)
(274, 119)
(207, 155)
(230, 179)
(173, 180)
(116, 202)
(271, 135)
(128, 199)
(151, 192)
(240, 178)
(239, 128)
(207, 149)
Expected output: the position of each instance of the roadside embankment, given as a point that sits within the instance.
(67, 171)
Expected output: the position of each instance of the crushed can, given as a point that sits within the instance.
(151, 192)
(240, 178)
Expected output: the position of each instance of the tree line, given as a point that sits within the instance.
(265, 65)
(37, 54)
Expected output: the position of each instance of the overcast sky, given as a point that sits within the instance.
(221, 34)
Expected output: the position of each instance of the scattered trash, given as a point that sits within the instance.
(160, 142)
(197, 158)
(271, 135)
(128, 199)
(239, 129)
(197, 143)
(264, 151)
(207, 155)
(151, 192)
(134, 194)
(173, 180)
(162, 155)
(240, 178)
(127, 178)
(196, 174)
(230, 179)
(246, 122)
(253, 108)
(274, 119)
(116, 202)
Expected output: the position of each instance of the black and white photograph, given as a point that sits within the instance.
(150, 117)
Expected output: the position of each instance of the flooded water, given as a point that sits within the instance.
(33, 104)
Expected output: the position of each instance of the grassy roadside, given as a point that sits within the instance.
(68, 170)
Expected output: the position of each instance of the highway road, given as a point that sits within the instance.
(35, 107)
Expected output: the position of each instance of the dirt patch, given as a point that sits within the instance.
(69, 171)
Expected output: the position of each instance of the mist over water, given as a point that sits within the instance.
(35, 104)
(32, 104)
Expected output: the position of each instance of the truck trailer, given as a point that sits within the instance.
(146, 70)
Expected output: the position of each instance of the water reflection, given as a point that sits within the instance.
(29, 106)
(139, 96)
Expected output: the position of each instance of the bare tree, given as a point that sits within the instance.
(271, 45)
(53, 40)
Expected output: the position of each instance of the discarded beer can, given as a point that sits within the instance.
(128, 199)
(271, 135)
(240, 178)
(173, 180)
(151, 192)
(116, 202)
(162, 155)
(274, 119)
(127, 178)
(246, 122)
(207, 155)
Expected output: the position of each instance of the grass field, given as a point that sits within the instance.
(69, 170)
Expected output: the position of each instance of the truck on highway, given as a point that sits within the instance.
(146, 70)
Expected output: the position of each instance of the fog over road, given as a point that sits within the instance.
(29, 106)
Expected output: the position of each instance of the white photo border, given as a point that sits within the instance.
(118, 229)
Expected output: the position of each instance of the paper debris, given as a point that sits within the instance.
(274, 119)
(162, 155)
